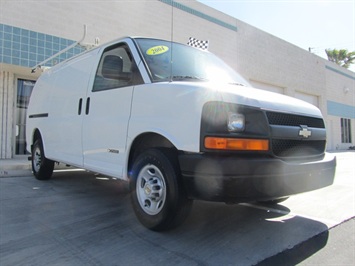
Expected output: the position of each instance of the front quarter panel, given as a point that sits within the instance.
(171, 109)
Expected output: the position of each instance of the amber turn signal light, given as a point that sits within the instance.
(217, 143)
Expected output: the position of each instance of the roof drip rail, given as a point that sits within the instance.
(86, 46)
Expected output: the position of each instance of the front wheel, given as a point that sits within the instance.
(42, 167)
(158, 197)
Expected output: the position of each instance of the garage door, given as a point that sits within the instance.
(312, 99)
(267, 87)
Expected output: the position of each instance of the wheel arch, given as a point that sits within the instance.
(146, 141)
(36, 134)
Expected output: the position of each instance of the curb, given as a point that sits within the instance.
(15, 168)
(15, 173)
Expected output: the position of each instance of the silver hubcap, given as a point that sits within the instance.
(37, 159)
(151, 189)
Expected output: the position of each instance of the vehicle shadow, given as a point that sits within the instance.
(220, 234)
(299, 253)
(87, 218)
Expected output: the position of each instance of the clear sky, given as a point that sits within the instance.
(319, 24)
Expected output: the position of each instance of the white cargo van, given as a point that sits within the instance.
(178, 124)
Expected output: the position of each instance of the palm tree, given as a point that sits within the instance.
(341, 57)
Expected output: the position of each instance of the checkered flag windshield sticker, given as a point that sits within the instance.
(197, 43)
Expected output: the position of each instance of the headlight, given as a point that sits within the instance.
(236, 122)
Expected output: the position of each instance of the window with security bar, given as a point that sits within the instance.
(345, 124)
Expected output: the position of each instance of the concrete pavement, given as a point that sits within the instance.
(86, 212)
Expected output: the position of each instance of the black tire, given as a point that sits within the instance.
(42, 167)
(157, 194)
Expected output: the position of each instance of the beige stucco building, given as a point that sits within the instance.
(32, 31)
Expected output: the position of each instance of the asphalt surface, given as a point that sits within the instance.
(79, 218)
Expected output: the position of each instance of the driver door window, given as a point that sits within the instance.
(116, 69)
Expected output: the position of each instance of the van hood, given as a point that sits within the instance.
(266, 100)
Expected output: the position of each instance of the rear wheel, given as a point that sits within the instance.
(41, 166)
(158, 197)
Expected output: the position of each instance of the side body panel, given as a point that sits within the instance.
(55, 111)
(64, 128)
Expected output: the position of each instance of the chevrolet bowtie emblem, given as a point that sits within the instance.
(304, 132)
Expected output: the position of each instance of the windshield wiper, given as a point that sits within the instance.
(236, 83)
(187, 78)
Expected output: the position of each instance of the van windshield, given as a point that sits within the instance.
(169, 61)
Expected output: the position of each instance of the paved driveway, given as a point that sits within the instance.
(78, 218)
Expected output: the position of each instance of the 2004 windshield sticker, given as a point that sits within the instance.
(156, 50)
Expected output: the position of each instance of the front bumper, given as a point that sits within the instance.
(244, 179)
